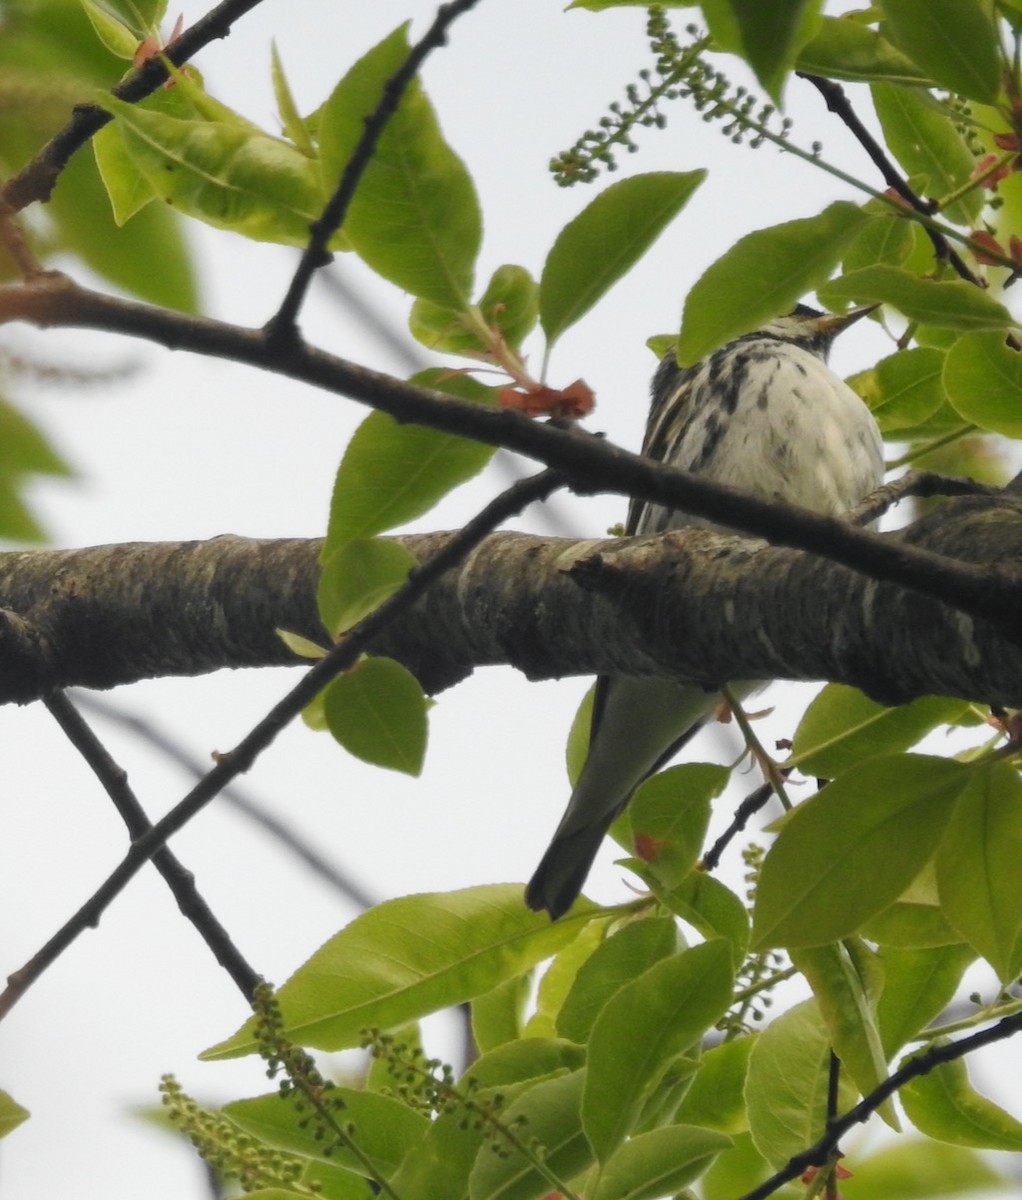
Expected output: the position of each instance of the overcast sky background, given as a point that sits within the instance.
(189, 448)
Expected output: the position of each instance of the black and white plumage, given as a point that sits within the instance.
(765, 414)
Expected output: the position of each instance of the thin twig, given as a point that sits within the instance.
(234, 796)
(181, 881)
(36, 179)
(915, 483)
(230, 765)
(282, 324)
(743, 814)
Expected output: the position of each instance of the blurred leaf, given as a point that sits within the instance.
(983, 378)
(772, 36)
(414, 217)
(904, 389)
(844, 48)
(786, 1089)
(11, 1113)
(577, 747)
(112, 31)
(659, 1162)
(139, 16)
(358, 578)
(850, 851)
(953, 40)
(716, 1097)
(953, 304)
(918, 983)
(290, 120)
(618, 960)
(914, 1169)
(222, 173)
(736, 1171)
(977, 867)
(597, 247)
(786, 261)
(924, 139)
(392, 473)
(842, 726)
(680, 998)
(944, 1105)
(377, 712)
(409, 957)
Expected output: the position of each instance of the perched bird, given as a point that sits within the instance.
(765, 414)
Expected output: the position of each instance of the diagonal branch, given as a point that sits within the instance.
(234, 763)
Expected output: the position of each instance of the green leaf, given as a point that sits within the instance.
(392, 473)
(620, 959)
(786, 1089)
(139, 16)
(716, 1096)
(953, 304)
(497, 1015)
(679, 998)
(415, 216)
(711, 908)
(842, 726)
(223, 173)
(577, 747)
(844, 979)
(953, 40)
(918, 1169)
(524, 1061)
(983, 378)
(598, 246)
(659, 1162)
(559, 977)
(358, 578)
(944, 1105)
(786, 261)
(850, 851)
(111, 30)
(670, 813)
(386, 1129)
(917, 986)
(409, 957)
(912, 925)
(508, 309)
(888, 238)
(550, 1111)
(924, 139)
(735, 1172)
(290, 120)
(11, 1113)
(844, 48)
(772, 36)
(904, 389)
(377, 712)
(977, 867)
(24, 448)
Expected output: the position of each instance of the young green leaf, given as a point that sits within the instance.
(223, 173)
(983, 378)
(392, 473)
(659, 1163)
(669, 815)
(680, 998)
(377, 712)
(953, 40)
(786, 261)
(772, 35)
(358, 578)
(620, 959)
(415, 216)
(925, 140)
(290, 120)
(844, 978)
(787, 1085)
(11, 1114)
(951, 304)
(842, 726)
(921, 1169)
(977, 867)
(598, 246)
(944, 1105)
(903, 389)
(888, 238)
(508, 308)
(850, 851)
(409, 957)
(716, 1097)
(917, 986)
(118, 37)
(843, 48)
(550, 1111)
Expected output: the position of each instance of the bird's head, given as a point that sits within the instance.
(812, 329)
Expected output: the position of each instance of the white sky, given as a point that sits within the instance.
(190, 448)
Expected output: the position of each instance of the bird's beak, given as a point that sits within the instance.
(833, 323)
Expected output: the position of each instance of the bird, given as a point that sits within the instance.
(764, 413)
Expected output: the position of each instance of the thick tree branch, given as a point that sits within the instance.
(589, 464)
(695, 605)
